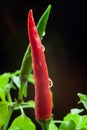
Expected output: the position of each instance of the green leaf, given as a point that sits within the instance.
(31, 103)
(83, 99)
(74, 117)
(52, 126)
(31, 78)
(9, 86)
(16, 81)
(3, 112)
(22, 123)
(4, 79)
(4, 83)
(83, 121)
(85, 128)
(41, 26)
(76, 110)
(2, 94)
(80, 121)
(68, 125)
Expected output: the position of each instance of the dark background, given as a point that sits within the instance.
(65, 42)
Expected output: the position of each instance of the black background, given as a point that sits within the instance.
(65, 42)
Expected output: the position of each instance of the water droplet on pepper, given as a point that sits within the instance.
(50, 83)
(43, 34)
(43, 47)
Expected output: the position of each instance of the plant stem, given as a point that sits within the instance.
(9, 114)
(22, 111)
(26, 66)
(45, 124)
(45, 127)
(25, 71)
(9, 96)
(20, 96)
(59, 121)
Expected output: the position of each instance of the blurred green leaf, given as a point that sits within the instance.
(3, 112)
(22, 123)
(52, 126)
(74, 117)
(83, 121)
(4, 79)
(2, 94)
(9, 86)
(85, 128)
(76, 110)
(68, 126)
(16, 81)
(31, 79)
(80, 121)
(83, 99)
(5, 85)
(31, 103)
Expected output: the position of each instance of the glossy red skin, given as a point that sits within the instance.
(43, 99)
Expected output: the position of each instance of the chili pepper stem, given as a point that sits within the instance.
(45, 127)
(44, 124)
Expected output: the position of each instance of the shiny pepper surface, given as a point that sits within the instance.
(43, 99)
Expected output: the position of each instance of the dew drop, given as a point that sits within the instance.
(43, 34)
(43, 47)
(50, 83)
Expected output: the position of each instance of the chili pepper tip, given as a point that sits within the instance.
(30, 12)
(30, 20)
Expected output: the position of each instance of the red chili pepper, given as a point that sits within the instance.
(43, 99)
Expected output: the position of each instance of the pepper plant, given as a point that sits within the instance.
(34, 59)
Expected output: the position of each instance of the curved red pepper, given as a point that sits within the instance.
(43, 99)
